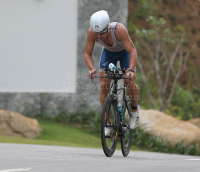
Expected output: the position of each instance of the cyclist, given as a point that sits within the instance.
(117, 46)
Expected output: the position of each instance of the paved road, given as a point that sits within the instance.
(37, 158)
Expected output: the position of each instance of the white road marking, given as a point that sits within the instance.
(13, 170)
(185, 159)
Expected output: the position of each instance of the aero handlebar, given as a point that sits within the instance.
(113, 74)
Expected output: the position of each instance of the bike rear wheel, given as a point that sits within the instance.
(126, 139)
(110, 120)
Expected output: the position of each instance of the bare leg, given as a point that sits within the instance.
(133, 92)
(104, 90)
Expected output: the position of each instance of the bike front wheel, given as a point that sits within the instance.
(126, 139)
(109, 120)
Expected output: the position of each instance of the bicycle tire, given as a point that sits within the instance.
(108, 151)
(126, 141)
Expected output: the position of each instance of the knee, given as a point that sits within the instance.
(129, 83)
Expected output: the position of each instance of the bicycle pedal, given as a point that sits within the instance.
(124, 129)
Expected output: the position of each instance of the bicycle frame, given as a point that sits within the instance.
(113, 96)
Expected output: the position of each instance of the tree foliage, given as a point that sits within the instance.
(165, 58)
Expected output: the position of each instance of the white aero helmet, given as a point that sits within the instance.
(99, 21)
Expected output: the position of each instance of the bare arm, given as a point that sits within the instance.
(88, 49)
(122, 35)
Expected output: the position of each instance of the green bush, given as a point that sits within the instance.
(144, 8)
(194, 31)
(156, 143)
(184, 104)
(132, 26)
(193, 55)
(179, 29)
(144, 101)
(90, 120)
(178, 2)
(172, 17)
(185, 43)
(182, 97)
(198, 42)
(167, 1)
(85, 117)
(160, 16)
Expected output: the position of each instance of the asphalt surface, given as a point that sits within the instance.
(37, 158)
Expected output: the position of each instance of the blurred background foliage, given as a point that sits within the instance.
(181, 17)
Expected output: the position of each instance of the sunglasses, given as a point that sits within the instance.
(101, 33)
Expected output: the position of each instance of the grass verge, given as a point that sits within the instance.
(61, 135)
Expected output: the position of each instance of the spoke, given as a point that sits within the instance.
(110, 123)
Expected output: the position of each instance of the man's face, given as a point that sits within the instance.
(102, 35)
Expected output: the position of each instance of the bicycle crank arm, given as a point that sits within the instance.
(125, 129)
(108, 125)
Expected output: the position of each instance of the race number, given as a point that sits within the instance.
(97, 26)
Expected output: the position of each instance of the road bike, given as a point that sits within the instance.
(112, 119)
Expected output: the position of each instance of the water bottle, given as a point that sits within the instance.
(112, 67)
(120, 110)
